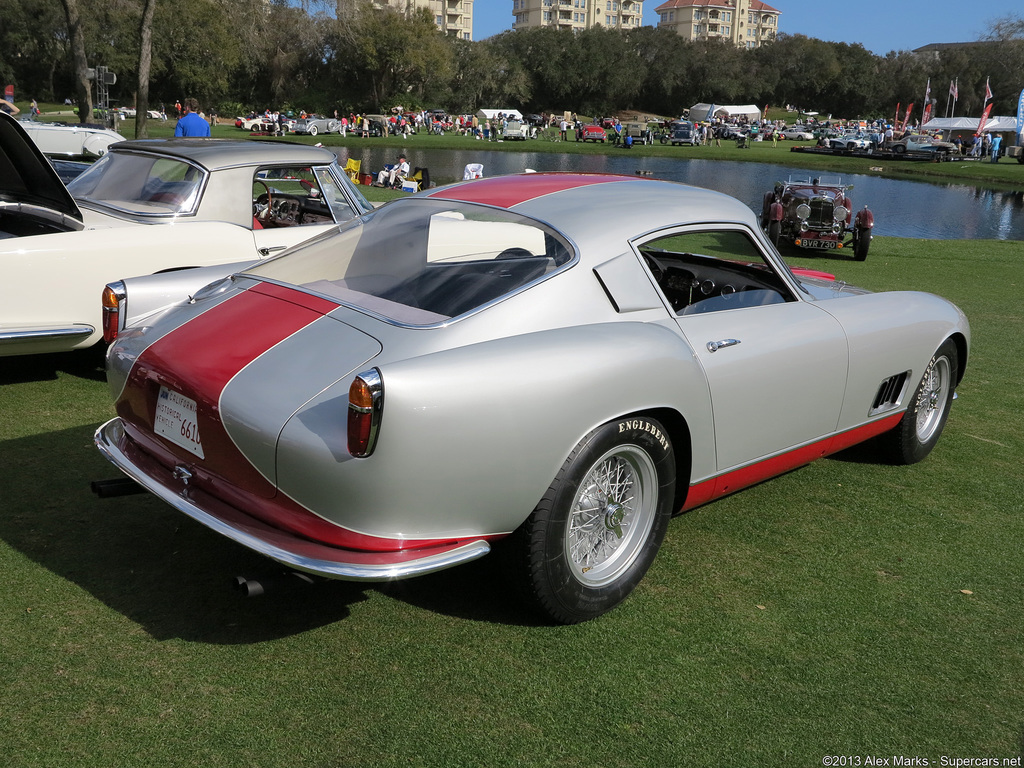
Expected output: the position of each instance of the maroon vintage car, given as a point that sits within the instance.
(817, 214)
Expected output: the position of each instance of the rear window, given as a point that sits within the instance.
(141, 184)
(422, 262)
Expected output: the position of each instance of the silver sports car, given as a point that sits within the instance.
(513, 363)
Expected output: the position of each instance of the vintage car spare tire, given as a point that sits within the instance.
(596, 531)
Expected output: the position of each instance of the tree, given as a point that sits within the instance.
(81, 63)
(145, 65)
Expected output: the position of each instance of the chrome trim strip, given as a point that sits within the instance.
(106, 439)
(33, 334)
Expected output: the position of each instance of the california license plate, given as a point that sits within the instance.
(808, 243)
(175, 420)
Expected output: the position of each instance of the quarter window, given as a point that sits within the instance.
(713, 271)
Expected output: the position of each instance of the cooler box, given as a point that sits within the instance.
(410, 186)
(365, 179)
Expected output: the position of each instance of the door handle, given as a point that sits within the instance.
(270, 249)
(714, 346)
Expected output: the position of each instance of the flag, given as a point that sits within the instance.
(927, 114)
(984, 119)
(928, 91)
(906, 118)
(896, 120)
(711, 113)
(988, 92)
(952, 90)
(1020, 116)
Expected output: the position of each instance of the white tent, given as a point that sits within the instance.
(701, 111)
(1000, 124)
(491, 114)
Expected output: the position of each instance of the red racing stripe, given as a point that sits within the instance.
(507, 191)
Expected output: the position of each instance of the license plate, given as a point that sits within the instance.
(808, 243)
(175, 420)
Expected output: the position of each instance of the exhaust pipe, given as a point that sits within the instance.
(122, 486)
(260, 586)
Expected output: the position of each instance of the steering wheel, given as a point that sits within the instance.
(266, 199)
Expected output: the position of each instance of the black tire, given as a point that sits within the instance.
(899, 149)
(861, 243)
(664, 139)
(312, 130)
(919, 429)
(584, 548)
(774, 228)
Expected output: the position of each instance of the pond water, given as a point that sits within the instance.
(902, 208)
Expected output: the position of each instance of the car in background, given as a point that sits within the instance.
(252, 122)
(59, 139)
(145, 207)
(850, 141)
(796, 133)
(921, 143)
(817, 214)
(367, 418)
(681, 132)
(592, 132)
(516, 130)
(314, 124)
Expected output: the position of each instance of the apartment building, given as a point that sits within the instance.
(578, 14)
(453, 17)
(744, 23)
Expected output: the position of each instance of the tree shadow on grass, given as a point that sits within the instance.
(175, 577)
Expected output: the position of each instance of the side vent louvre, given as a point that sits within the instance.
(890, 393)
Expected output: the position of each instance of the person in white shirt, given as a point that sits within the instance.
(395, 174)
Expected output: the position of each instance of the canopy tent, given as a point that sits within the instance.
(1001, 124)
(704, 111)
(491, 114)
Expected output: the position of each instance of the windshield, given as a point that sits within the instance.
(141, 184)
(422, 262)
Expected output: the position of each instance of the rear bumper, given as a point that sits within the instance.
(294, 551)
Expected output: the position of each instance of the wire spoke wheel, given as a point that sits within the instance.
(612, 516)
(931, 397)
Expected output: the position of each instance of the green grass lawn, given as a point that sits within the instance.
(847, 608)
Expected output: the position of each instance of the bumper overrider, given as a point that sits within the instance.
(291, 550)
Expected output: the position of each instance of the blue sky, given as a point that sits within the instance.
(880, 25)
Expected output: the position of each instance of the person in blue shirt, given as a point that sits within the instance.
(996, 141)
(191, 124)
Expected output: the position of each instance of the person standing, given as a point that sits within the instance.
(996, 141)
(191, 124)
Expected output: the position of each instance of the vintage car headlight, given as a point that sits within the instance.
(837, 228)
(365, 405)
(803, 226)
(803, 211)
(840, 213)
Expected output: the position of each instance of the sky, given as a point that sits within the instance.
(879, 25)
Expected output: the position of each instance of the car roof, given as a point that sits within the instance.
(213, 154)
(624, 206)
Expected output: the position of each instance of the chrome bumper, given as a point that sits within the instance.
(294, 551)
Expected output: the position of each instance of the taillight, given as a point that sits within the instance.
(114, 295)
(365, 405)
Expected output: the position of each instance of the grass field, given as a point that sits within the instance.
(848, 608)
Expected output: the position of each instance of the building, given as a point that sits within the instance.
(453, 17)
(744, 23)
(578, 14)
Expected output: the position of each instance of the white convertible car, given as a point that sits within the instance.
(146, 207)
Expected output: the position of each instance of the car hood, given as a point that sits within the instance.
(25, 175)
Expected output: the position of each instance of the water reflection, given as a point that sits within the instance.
(902, 208)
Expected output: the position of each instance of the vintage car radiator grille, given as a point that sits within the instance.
(821, 213)
(889, 393)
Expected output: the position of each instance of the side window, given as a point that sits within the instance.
(713, 270)
(289, 197)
